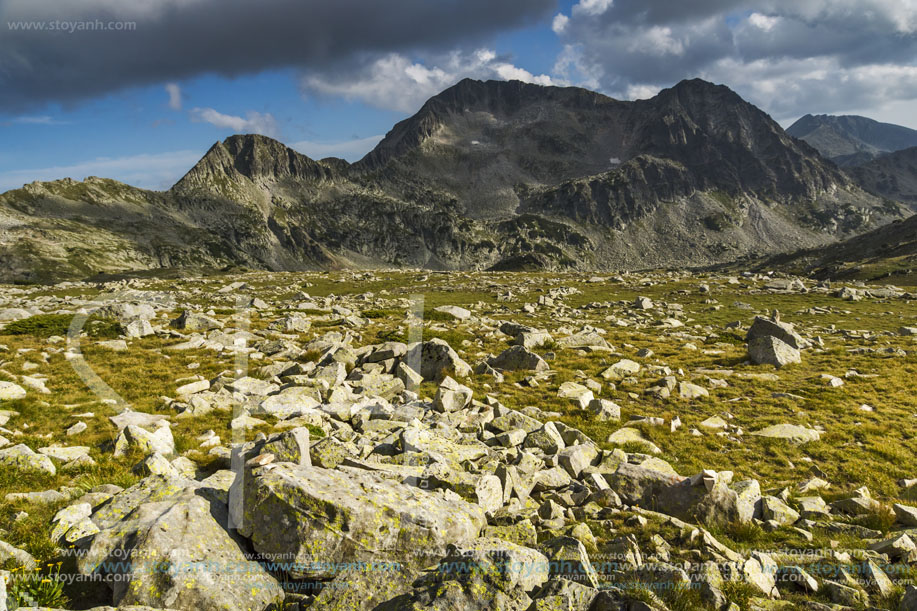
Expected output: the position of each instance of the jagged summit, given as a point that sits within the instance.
(253, 157)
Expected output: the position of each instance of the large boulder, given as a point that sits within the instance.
(455, 312)
(766, 327)
(705, 497)
(289, 401)
(195, 321)
(148, 442)
(313, 517)
(505, 564)
(769, 350)
(437, 359)
(367, 587)
(164, 542)
(518, 358)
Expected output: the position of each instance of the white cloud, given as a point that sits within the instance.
(656, 41)
(571, 67)
(351, 150)
(560, 23)
(150, 171)
(641, 92)
(788, 88)
(592, 8)
(763, 22)
(174, 92)
(37, 120)
(397, 83)
(252, 123)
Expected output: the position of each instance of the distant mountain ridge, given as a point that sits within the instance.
(489, 174)
(851, 140)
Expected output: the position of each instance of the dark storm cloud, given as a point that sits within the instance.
(176, 39)
(789, 56)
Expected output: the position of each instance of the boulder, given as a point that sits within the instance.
(15, 557)
(368, 587)
(181, 555)
(455, 312)
(289, 402)
(518, 358)
(766, 327)
(905, 514)
(583, 339)
(622, 369)
(578, 393)
(776, 510)
(315, 516)
(532, 339)
(568, 559)
(195, 321)
(11, 392)
(503, 563)
(437, 359)
(628, 435)
(604, 410)
(686, 390)
(451, 396)
(138, 328)
(21, 457)
(133, 436)
(547, 439)
(769, 350)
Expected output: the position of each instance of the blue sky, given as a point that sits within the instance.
(133, 112)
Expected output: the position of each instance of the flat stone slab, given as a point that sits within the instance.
(790, 432)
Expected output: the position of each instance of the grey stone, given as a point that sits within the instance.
(790, 432)
(175, 523)
(518, 358)
(22, 457)
(437, 360)
(769, 350)
(296, 513)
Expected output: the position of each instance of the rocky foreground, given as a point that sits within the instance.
(505, 441)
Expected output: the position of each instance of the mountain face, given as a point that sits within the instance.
(499, 175)
(851, 140)
(893, 176)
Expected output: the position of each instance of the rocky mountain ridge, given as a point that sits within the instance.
(486, 175)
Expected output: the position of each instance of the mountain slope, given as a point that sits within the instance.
(486, 174)
(850, 140)
(887, 252)
(893, 175)
(478, 140)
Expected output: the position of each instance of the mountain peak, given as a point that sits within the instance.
(251, 156)
(851, 139)
(496, 98)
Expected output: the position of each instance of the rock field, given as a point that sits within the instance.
(419, 440)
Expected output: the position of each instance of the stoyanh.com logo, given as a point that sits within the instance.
(69, 27)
